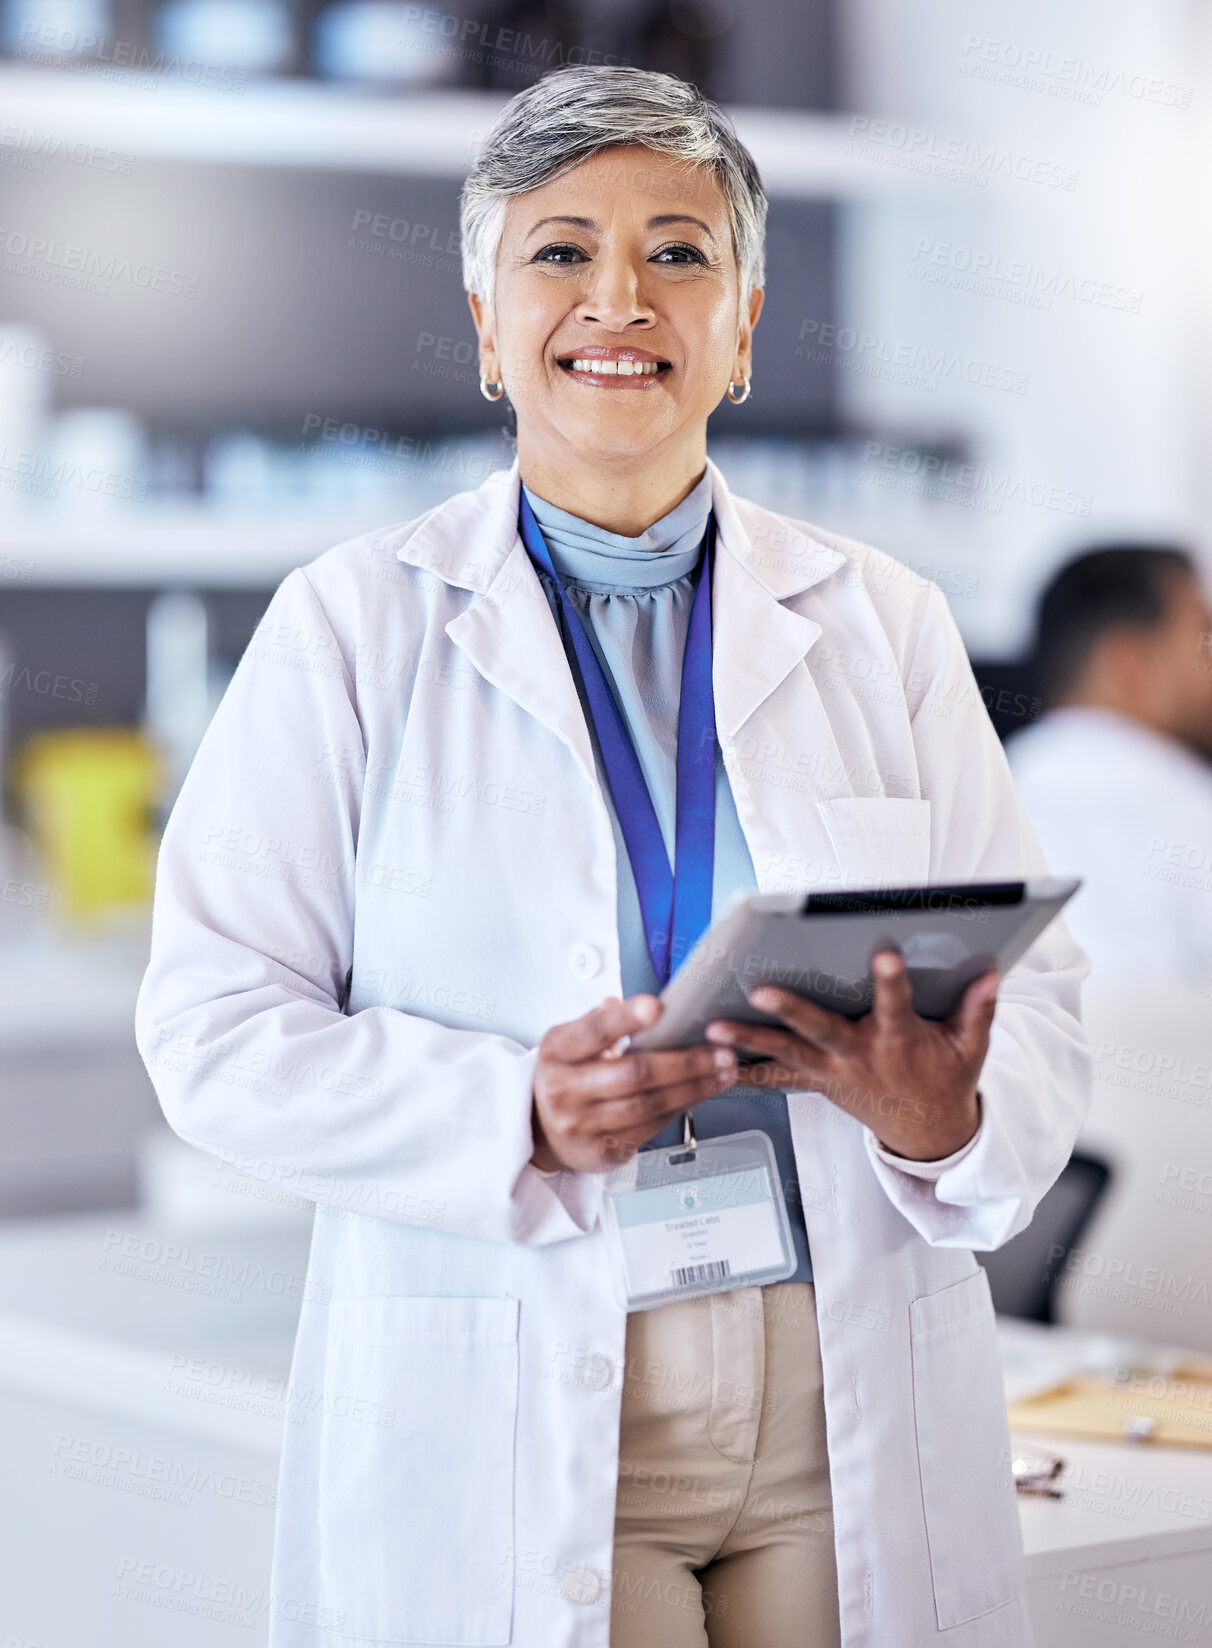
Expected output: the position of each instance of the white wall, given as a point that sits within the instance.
(1114, 409)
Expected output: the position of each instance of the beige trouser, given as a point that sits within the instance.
(724, 1524)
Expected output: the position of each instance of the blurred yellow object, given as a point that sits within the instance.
(88, 796)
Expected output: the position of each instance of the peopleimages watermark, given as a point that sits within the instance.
(301, 863)
(1148, 1070)
(86, 269)
(26, 894)
(958, 159)
(41, 476)
(918, 366)
(405, 241)
(1188, 1187)
(1186, 863)
(202, 1270)
(124, 60)
(338, 1193)
(200, 1595)
(1074, 79)
(47, 684)
(1151, 1287)
(39, 357)
(974, 485)
(492, 44)
(416, 457)
(1015, 280)
(408, 993)
(445, 357)
(1158, 1614)
(1112, 1492)
(151, 1475)
(283, 1075)
(38, 147)
(17, 569)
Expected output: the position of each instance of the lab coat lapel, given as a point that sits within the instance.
(508, 634)
(757, 641)
(512, 639)
(770, 718)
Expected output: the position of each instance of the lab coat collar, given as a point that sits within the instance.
(467, 539)
(511, 638)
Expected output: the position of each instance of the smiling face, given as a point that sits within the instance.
(616, 325)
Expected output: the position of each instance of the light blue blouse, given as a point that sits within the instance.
(635, 596)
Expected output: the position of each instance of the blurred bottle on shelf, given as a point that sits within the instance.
(238, 472)
(249, 36)
(387, 43)
(23, 897)
(24, 406)
(49, 30)
(94, 463)
(181, 687)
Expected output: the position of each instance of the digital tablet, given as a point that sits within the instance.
(820, 945)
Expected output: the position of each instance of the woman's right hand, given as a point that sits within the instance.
(595, 1105)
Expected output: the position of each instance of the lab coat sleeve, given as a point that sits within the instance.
(239, 1017)
(932, 1169)
(1036, 1084)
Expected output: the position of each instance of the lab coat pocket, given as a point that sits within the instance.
(880, 841)
(417, 1468)
(963, 1452)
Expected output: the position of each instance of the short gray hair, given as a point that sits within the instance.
(573, 113)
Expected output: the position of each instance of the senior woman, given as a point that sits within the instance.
(477, 781)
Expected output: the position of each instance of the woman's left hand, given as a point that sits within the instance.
(911, 1080)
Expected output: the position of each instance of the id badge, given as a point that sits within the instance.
(699, 1217)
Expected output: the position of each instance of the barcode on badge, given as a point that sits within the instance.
(689, 1275)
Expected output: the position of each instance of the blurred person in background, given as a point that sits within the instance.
(407, 917)
(1116, 777)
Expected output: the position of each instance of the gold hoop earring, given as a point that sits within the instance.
(484, 387)
(737, 399)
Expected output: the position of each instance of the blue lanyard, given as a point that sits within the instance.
(675, 903)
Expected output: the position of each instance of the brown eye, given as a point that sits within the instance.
(559, 254)
(679, 254)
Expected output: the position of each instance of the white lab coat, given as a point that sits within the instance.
(1130, 811)
(399, 781)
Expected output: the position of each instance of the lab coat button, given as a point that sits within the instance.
(584, 961)
(582, 1585)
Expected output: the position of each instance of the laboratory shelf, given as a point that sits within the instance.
(181, 544)
(320, 127)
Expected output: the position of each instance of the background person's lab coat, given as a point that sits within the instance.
(1131, 812)
(400, 781)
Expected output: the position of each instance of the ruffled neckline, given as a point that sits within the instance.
(591, 558)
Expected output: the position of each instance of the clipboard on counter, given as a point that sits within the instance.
(1169, 1410)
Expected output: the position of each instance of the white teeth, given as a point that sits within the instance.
(616, 368)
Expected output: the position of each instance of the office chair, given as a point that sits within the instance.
(1025, 1273)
